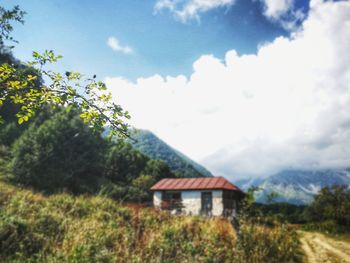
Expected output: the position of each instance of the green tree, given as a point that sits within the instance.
(158, 169)
(271, 197)
(123, 163)
(331, 203)
(139, 191)
(60, 154)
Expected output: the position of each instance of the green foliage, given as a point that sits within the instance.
(57, 152)
(248, 201)
(16, 236)
(61, 153)
(123, 163)
(158, 169)
(270, 198)
(131, 173)
(283, 212)
(70, 89)
(329, 212)
(5, 158)
(331, 203)
(328, 226)
(140, 188)
(6, 19)
(153, 147)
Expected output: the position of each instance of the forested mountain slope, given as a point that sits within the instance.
(152, 146)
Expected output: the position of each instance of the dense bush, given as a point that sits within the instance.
(283, 212)
(331, 204)
(64, 228)
(258, 242)
(58, 152)
(61, 153)
(328, 226)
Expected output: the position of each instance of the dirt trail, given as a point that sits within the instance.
(321, 249)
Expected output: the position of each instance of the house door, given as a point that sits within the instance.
(207, 203)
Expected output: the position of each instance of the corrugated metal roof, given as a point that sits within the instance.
(194, 184)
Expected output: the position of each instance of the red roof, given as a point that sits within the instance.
(194, 184)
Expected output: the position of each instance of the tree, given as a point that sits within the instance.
(123, 163)
(71, 89)
(331, 203)
(271, 197)
(158, 169)
(60, 154)
(247, 204)
(139, 191)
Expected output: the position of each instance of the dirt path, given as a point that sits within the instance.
(321, 249)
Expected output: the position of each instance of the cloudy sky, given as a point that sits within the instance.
(245, 87)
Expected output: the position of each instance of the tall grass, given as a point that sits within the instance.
(63, 228)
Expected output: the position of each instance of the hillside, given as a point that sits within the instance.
(66, 228)
(295, 186)
(153, 147)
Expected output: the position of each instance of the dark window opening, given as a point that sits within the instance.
(229, 202)
(171, 200)
(207, 203)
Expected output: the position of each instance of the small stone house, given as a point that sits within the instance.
(213, 196)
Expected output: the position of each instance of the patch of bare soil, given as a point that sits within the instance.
(321, 249)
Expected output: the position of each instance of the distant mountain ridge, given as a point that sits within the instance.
(155, 148)
(296, 186)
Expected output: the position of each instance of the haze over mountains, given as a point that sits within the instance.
(296, 186)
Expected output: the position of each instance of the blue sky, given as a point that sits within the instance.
(161, 43)
(247, 88)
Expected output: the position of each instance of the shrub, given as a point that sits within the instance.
(328, 226)
(257, 242)
(60, 154)
(17, 237)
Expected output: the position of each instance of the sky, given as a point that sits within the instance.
(247, 88)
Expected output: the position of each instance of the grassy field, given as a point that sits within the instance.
(64, 228)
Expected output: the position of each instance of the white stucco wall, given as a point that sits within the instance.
(192, 203)
(218, 204)
(191, 200)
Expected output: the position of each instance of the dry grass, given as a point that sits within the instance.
(63, 228)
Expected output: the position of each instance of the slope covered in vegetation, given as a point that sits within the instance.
(57, 152)
(64, 228)
(150, 145)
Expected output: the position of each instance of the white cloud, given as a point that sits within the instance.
(283, 12)
(288, 106)
(190, 9)
(114, 44)
(277, 8)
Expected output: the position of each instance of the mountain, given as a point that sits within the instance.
(296, 186)
(150, 145)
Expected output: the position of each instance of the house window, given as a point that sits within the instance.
(207, 203)
(171, 200)
(229, 203)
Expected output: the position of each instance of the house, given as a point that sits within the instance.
(208, 195)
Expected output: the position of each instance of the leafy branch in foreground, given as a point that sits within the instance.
(71, 90)
(6, 17)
